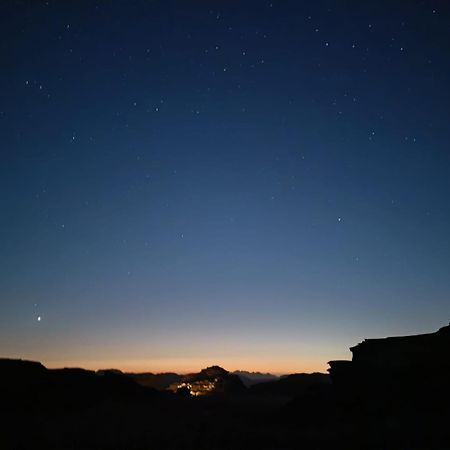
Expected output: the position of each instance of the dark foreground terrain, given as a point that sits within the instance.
(394, 394)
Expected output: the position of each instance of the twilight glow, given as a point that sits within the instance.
(257, 185)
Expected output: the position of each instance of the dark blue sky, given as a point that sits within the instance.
(255, 184)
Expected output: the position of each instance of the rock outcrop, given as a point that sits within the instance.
(395, 361)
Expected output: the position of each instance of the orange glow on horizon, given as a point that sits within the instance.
(183, 366)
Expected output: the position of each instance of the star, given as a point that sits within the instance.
(38, 318)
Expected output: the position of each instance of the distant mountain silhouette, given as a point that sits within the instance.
(159, 381)
(109, 372)
(212, 380)
(291, 385)
(251, 378)
(31, 381)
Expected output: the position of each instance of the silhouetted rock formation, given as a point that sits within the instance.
(399, 387)
(402, 359)
(19, 371)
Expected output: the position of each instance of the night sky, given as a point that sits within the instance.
(255, 184)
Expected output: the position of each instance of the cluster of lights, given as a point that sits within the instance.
(197, 388)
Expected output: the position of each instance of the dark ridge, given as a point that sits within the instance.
(251, 378)
(291, 385)
(159, 381)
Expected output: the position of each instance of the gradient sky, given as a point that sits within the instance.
(256, 184)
